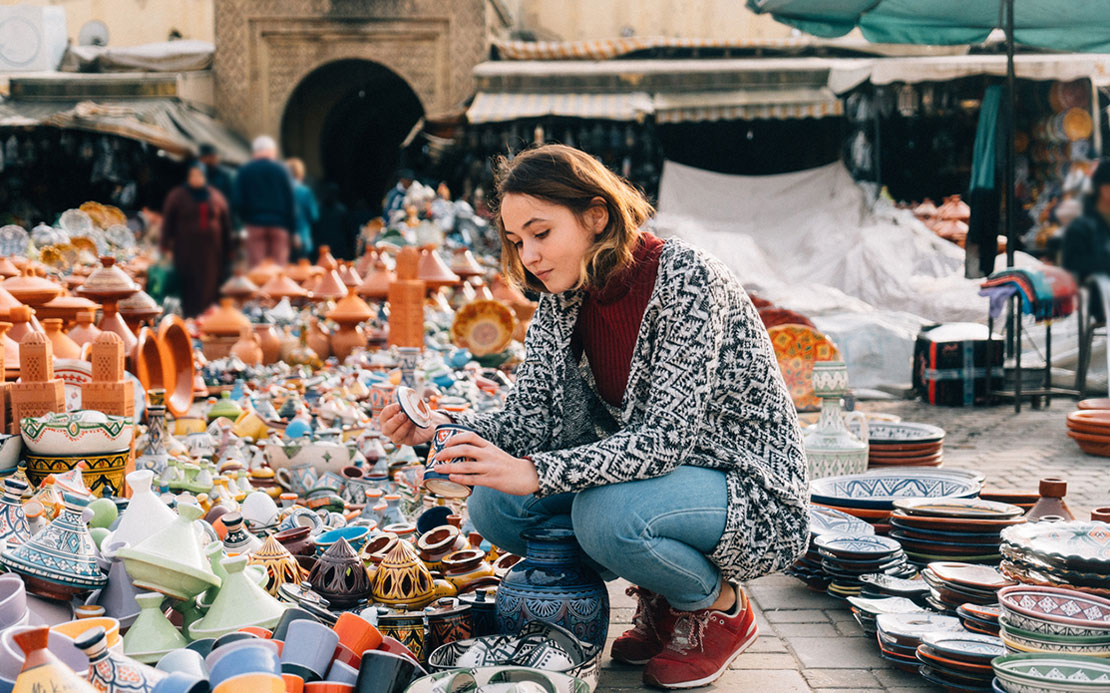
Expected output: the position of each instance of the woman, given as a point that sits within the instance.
(648, 415)
(308, 212)
(196, 230)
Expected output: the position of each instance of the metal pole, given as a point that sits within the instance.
(1011, 154)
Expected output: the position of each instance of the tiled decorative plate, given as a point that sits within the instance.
(863, 546)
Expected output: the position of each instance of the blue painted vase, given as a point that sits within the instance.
(553, 585)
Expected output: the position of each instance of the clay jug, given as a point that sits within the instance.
(1051, 503)
(247, 349)
(84, 331)
(269, 342)
(64, 347)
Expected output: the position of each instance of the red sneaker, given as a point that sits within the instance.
(702, 646)
(642, 642)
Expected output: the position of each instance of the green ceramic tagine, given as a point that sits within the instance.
(171, 561)
(152, 635)
(225, 407)
(240, 603)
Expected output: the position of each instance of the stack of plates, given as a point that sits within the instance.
(1036, 673)
(904, 444)
(956, 529)
(877, 586)
(1091, 429)
(866, 609)
(847, 557)
(824, 521)
(1059, 554)
(980, 618)
(899, 635)
(1048, 619)
(1022, 499)
(871, 496)
(959, 662)
(953, 584)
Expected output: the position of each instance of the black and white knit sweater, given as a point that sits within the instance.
(704, 389)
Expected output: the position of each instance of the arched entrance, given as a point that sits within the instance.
(347, 120)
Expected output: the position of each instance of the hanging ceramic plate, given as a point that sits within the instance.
(484, 327)
(414, 407)
(958, 507)
(13, 240)
(797, 348)
(120, 236)
(879, 490)
(828, 521)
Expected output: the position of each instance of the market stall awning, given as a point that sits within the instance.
(1074, 25)
(501, 106)
(1064, 67)
(164, 123)
(605, 49)
(764, 104)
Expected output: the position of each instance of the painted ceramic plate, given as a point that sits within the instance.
(484, 327)
(955, 548)
(880, 489)
(1081, 545)
(930, 655)
(910, 628)
(885, 605)
(414, 407)
(900, 432)
(953, 524)
(828, 521)
(74, 373)
(978, 576)
(862, 546)
(1057, 605)
(1053, 669)
(797, 348)
(958, 507)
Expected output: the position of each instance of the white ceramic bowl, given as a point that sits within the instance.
(10, 447)
(81, 432)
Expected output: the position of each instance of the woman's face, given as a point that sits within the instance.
(196, 178)
(549, 238)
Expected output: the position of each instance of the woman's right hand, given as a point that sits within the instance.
(402, 431)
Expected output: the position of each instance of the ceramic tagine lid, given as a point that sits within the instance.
(151, 635)
(263, 272)
(7, 302)
(464, 264)
(14, 529)
(42, 670)
(402, 579)
(325, 260)
(280, 286)
(239, 288)
(225, 321)
(432, 270)
(66, 307)
(146, 514)
(8, 268)
(350, 310)
(329, 287)
(139, 306)
(171, 561)
(303, 271)
(240, 603)
(281, 567)
(30, 289)
(108, 282)
(375, 284)
(59, 561)
(349, 276)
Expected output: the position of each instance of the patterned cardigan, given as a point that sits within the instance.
(704, 389)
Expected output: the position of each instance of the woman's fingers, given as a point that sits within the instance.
(465, 438)
(457, 451)
(463, 468)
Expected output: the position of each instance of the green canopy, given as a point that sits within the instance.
(1065, 25)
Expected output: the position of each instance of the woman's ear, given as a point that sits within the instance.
(598, 215)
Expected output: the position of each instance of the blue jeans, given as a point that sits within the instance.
(654, 533)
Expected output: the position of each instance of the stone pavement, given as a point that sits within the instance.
(809, 641)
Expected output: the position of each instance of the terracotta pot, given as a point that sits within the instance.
(64, 347)
(329, 287)
(297, 541)
(269, 342)
(350, 309)
(225, 321)
(84, 331)
(30, 289)
(248, 349)
(375, 283)
(67, 308)
(7, 302)
(302, 271)
(239, 288)
(324, 259)
(318, 339)
(433, 271)
(7, 268)
(138, 308)
(281, 286)
(179, 350)
(23, 323)
(11, 349)
(263, 272)
(346, 339)
(349, 276)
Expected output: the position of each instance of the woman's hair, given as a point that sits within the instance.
(565, 176)
(296, 167)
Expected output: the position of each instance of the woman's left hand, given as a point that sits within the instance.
(486, 465)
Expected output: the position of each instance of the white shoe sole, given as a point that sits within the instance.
(753, 633)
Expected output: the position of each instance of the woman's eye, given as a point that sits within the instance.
(541, 234)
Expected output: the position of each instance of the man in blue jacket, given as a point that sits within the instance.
(264, 199)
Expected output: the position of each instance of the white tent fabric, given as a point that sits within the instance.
(868, 275)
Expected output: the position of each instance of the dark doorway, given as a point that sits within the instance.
(347, 120)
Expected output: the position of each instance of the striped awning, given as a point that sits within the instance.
(500, 106)
(763, 104)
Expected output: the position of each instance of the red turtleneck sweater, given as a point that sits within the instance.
(609, 320)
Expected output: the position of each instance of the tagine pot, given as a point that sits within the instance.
(60, 561)
(152, 635)
(832, 449)
(402, 580)
(339, 576)
(14, 529)
(146, 514)
(170, 561)
(112, 672)
(42, 670)
(240, 603)
(553, 585)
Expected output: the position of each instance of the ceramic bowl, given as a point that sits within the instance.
(251, 657)
(251, 683)
(10, 447)
(321, 455)
(1056, 611)
(1021, 641)
(1030, 673)
(182, 682)
(13, 601)
(61, 646)
(73, 629)
(466, 679)
(1044, 627)
(83, 431)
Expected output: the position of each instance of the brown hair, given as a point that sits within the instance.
(296, 167)
(571, 178)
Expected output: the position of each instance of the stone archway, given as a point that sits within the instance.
(347, 119)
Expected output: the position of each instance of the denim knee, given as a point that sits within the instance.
(497, 516)
(606, 528)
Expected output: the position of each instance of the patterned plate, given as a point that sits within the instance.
(797, 348)
(414, 407)
(979, 576)
(958, 507)
(857, 546)
(907, 628)
(1057, 605)
(879, 490)
(828, 521)
(1083, 546)
(75, 222)
(894, 433)
(484, 327)
(13, 240)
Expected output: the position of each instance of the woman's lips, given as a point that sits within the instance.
(542, 275)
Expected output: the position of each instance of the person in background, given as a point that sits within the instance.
(264, 197)
(219, 176)
(196, 231)
(395, 198)
(1086, 246)
(308, 213)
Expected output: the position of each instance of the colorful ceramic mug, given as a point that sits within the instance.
(437, 482)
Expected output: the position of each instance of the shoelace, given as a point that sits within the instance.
(689, 631)
(643, 622)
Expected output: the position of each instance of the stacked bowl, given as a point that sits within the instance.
(871, 496)
(1039, 673)
(952, 529)
(953, 584)
(904, 444)
(846, 557)
(1091, 429)
(1073, 555)
(958, 662)
(980, 618)
(899, 635)
(1053, 620)
(824, 521)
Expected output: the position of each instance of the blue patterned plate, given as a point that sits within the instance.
(828, 521)
(969, 647)
(857, 546)
(879, 490)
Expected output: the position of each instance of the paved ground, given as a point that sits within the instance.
(809, 641)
